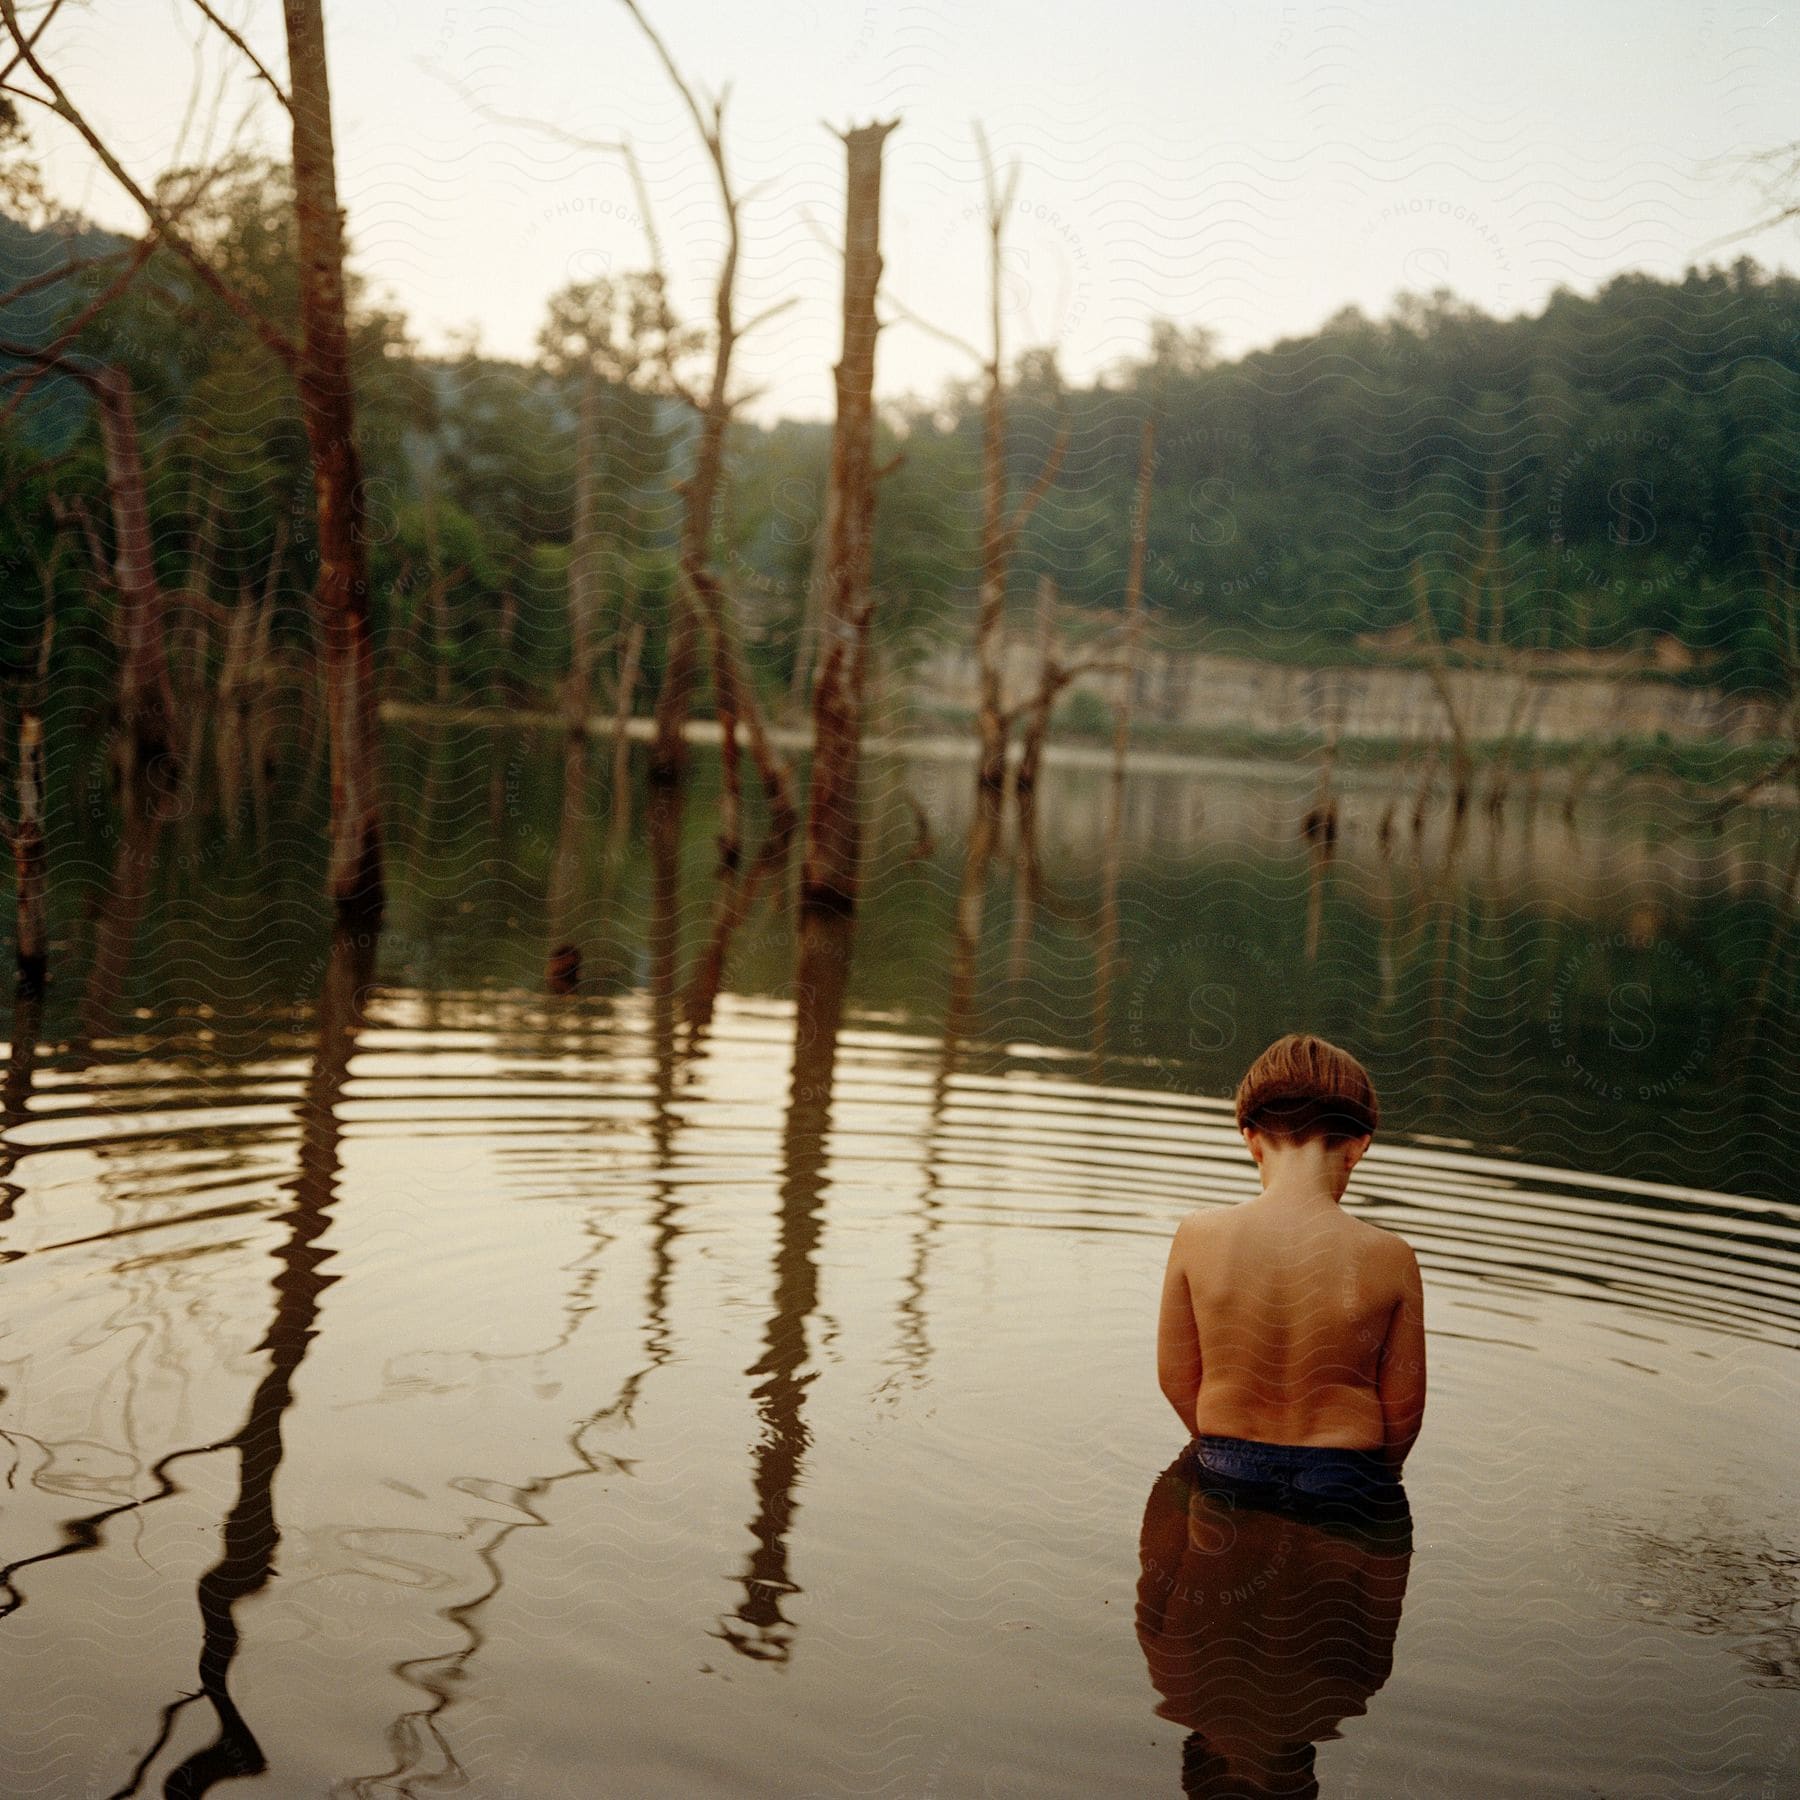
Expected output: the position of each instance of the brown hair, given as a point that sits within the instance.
(1302, 1087)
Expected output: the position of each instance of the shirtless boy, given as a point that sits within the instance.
(1292, 1337)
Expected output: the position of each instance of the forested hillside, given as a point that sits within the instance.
(1618, 466)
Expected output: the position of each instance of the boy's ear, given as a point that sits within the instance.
(1252, 1141)
(1355, 1151)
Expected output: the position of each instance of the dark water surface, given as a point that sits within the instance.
(417, 1382)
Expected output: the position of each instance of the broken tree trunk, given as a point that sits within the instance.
(991, 616)
(700, 595)
(1462, 762)
(145, 698)
(737, 705)
(1134, 603)
(806, 650)
(28, 834)
(999, 529)
(675, 697)
(621, 756)
(584, 561)
(328, 409)
(1106, 949)
(442, 643)
(146, 704)
(1053, 677)
(736, 895)
(971, 903)
(831, 880)
(562, 964)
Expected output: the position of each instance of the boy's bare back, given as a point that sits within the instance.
(1283, 1319)
(1306, 1324)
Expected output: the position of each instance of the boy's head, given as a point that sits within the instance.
(1302, 1088)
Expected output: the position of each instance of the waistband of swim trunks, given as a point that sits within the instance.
(1278, 1458)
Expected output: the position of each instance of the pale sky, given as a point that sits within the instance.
(1249, 168)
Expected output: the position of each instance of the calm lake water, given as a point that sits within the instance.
(415, 1381)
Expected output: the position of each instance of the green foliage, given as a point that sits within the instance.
(1614, 469)
(1086, 715)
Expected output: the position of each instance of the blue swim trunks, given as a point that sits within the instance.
(1304, 1478)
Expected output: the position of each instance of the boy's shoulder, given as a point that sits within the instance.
(1379, 1239)
(1387, 1244)
(1200, 1221)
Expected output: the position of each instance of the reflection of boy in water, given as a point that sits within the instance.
(1291, 1341)
(1263, 1629)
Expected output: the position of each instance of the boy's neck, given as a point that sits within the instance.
(1303, 1174)
(1297, 1193)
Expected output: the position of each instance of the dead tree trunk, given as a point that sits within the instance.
(999, 529)
(1462, 761)
(562, 965)
(328, 408)
(121, 913)
(440, 631)
(675, 697)
(584, 561)
(806, 650)
(621, 760)
(1134, 603)
(1106, 949)
(736, 895)
(702, 599)
(737, 705)
(146, 704)
(831, 880)
(145, 698)
(509, 623)
(1027, 879)
(734, 699)
(1319, 830)
(990, 618)
(1052, 679)
(28, 834)
(700, 595)
(985, 823)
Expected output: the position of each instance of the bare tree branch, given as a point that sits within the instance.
(1046, 479)
(25, 44)
(1745, 789)
(250, 56)
(54, 354)
(767, 313)
(159, 216)
(700, 589)
(135, 257)
(1057, 676)
(711, 134)
(620, 147)
(937, 331)
(1784, 160)
(50, 277)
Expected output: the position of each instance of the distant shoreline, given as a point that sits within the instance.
(1698, 770)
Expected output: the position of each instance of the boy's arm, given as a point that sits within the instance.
(1401, 1377)
(1177, 1336)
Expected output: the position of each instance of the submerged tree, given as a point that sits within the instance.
(1001, 522)
(33, 943)
(328, 404)
(702, 593)
(321, 366)
(831, 880)
(616, 342)
(146, 701)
